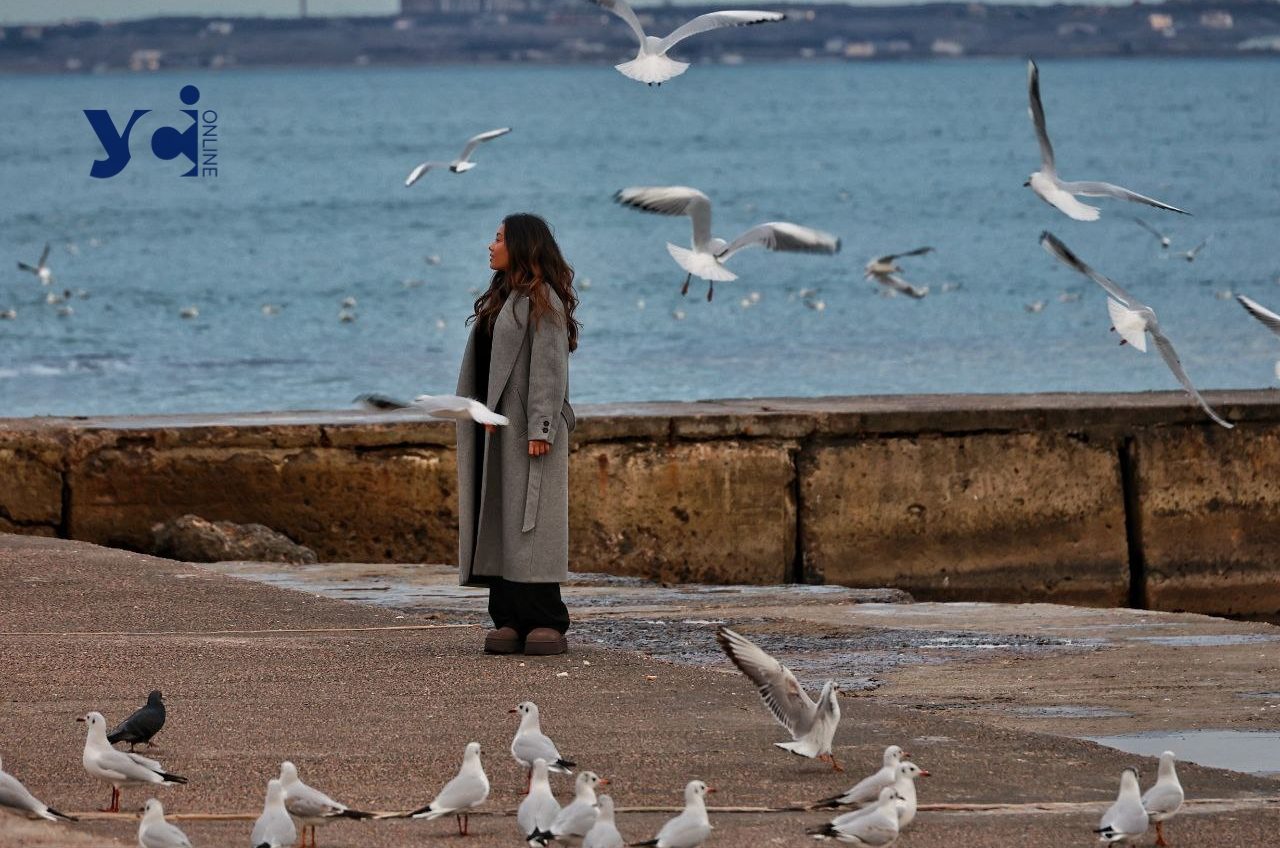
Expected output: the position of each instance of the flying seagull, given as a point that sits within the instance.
(651, 64)
(463, 162)
(145, 723)
(812, 725)
(706, 259)
(1165, 241)
(1190, 255)
(437, 406)
(1131, 318)
(885, 270)
(41, 270)
(1055, 191)
(15, 797)
(1269, 319)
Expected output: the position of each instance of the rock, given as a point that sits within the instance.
(195, 539)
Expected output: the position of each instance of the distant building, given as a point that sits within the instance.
(946, 47)
(1160, 22)
(860, 50)
(145, 60)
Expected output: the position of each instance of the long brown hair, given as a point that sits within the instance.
(533, 258)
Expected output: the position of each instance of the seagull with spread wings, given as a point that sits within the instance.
(885, 270)
(812, 725)
(1132, 319)
(651, 65)
(706, 259)
(1269, 319)
(463, 163)
(1059, 193)
(41, 268)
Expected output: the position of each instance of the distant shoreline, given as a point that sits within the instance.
(555, 33)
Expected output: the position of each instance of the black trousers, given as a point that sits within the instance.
(526, 606)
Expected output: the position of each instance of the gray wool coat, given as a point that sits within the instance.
(523, 529)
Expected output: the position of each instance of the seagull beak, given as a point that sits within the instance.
(512, 712)
(924, 773)
(80, 719)
(711, 789)
(604, 781)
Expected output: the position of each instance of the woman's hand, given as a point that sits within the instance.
(491, 428)
(537, 447)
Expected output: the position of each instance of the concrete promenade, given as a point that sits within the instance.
(377, 714)
(1096, 499)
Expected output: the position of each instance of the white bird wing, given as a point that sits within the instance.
(893, 281)
(919, 251)
(15, 796)
(1131, 326)
(1037, 117)
(444, 406)
(682, 831)
(154, 765)
(303, 801)
(1257, 310)
(574, 820)
(479, 139)
(783, 236)
(716, 20)
(790, 705)
(482, 414)
(1125, 817)
(872, 829)
(623, 10)
(464, 791)
(131, 767)
(527, 747)
(274, 828)
(537, 812)
(1098, 189)
(1056, 248)
(1066, 202)
(418, 172)
(1191, 254)
(44, 256)
(1175, 365)
(1163, 799)
(672, 200)
(868, 789)
(163, 835)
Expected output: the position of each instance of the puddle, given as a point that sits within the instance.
(1268, 696)
(1069, 711)
(1216, 641)
(1251, 752)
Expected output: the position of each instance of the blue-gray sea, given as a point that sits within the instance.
(309, 208)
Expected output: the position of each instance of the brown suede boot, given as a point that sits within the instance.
(504, 640)
(543, 642)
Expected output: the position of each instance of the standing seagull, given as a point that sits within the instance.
(1125, 820)
(1269, 319)
(884, 270)
(604, 833)
(14, 796)
(274, 828)
(904, 790)
(651, 65)
(877, 829)
(467, 790)
(41, 270)
(706, 259)
(1131, 319)
(463, 163)
(155, 832)
(530, 744)
(1163, 800)
(310, 806)
(539, 808)
(868, 789)
(1056, 192)
(811, 725)
(689, 829)
(118, 767)
(572, 823)
(145, 723)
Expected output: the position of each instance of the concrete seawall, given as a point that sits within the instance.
(1097, 499)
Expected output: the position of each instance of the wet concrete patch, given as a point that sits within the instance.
(1069, 711)
(1248, 751)
(1217, 640)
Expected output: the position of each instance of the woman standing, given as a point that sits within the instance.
(513, 481)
